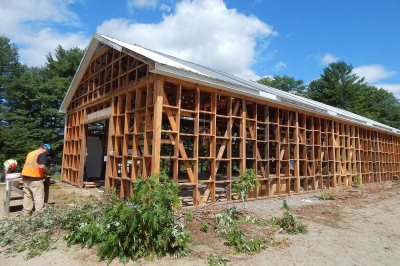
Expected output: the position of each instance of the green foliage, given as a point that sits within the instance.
(328, 195)
(242, 184)
(397, 182)
(338, 86)
(30, 99)
(357, 181)
(237, 239)
(284, 83)
(228, 226)
(288, 222)
(204, 227)
(216, 260)
(189, 215)
(142, 226)
(32, 234)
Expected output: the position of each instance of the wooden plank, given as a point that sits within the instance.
(156, 147)
(296, 156)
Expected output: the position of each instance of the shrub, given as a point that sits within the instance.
(288, 222)
(140, 227)
(242, 184)
(228, 226)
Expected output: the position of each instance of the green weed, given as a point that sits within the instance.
(357, 181)
(216, 260)
(328, 195)
(204, 227)
(288, 223)
(142, 226)
(242, 184)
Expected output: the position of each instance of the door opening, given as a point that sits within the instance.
(96, 155)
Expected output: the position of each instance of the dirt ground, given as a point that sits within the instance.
(360, 227)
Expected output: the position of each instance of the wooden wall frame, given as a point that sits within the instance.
(204, 137)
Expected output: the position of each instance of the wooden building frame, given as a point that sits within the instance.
(204, 135)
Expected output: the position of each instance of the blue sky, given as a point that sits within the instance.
(252, 38)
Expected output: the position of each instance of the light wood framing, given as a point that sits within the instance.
(204, 137)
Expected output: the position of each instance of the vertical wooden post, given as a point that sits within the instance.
(243, 136)
(82, 138)
(156, 147)
(66, 136)
(296, 156)
(109, 164)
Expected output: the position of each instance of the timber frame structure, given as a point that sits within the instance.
(205, 127)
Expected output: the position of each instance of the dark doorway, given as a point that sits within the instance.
(96, 143)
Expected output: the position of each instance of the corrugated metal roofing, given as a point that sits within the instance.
(171, 66)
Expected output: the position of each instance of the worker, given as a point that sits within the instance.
(33, 175)
(8, 166)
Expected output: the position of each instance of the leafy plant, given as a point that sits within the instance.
(216, 260)
(189, 215)
(288, 222)
(329, 195)
(243, 183)
(236, 238)
(228, 226)
(204, 227)
(142, 226)
(357, 181)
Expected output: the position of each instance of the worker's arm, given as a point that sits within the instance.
(42, 163)
(43, 168)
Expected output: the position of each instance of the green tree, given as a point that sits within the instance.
(58, 75)
(10, 68)
(380, 105)
(284, 83)
(338, 86)
(32, 102)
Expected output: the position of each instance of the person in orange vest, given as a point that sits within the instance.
(8, 167)
(33, 175)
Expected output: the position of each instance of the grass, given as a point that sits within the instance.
(381, 197)
(328, 195)
(216, 260)
(56, 177)
(333, 215)
(332, 223)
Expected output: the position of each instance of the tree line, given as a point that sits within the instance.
(30, 98)
(338, 86)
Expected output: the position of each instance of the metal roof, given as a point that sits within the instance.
(174, 67)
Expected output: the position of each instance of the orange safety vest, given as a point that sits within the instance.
(31, 167)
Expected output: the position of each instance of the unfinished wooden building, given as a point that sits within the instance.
(131, 111)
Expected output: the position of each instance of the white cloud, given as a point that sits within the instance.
(328, 58)
(280, 66)
(28, 24)
(165, 7)
(202, 31)
(373, 73)
(142, 4)
(395, 88)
